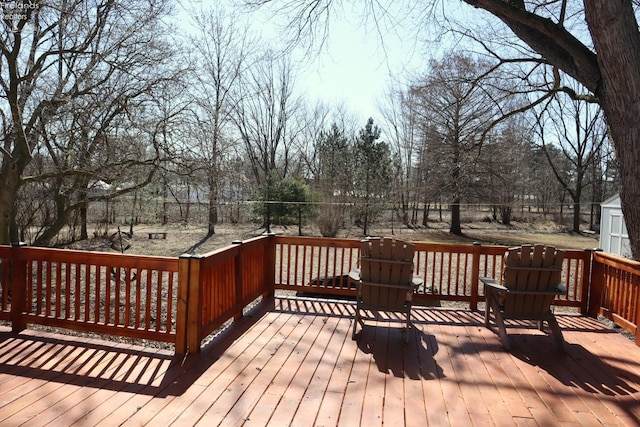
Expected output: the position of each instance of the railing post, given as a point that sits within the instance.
(182, 305)
(475, 275)
(18, 287)
(238, 279)
(270, 264)
(188, 320)
(587, 273)
(194, 316)
(596, 285)
(636, 279)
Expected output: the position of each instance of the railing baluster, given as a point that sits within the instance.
(39, 287)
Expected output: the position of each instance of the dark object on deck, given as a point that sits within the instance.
(316, 287)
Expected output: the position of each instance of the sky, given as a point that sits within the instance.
(356, 65)
(356, 68)
(363, 58)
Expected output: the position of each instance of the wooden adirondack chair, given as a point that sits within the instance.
(385, 279)
(531, 281)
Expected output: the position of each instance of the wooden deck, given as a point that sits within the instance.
(293, 362)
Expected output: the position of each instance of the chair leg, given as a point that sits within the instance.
(355, 323)
(408, 328)
(357, 319)
(557, 334)
(487, 309)
(502, 331)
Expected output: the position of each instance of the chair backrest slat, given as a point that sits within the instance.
(386, 261)
(532, 268)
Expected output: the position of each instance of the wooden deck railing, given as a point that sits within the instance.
(131, 296)
(219, 285)
(615, 290)
(315, 265)
(451, 271)
(182, 300)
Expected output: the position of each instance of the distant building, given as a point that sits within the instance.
(99, 188)
(614, 237)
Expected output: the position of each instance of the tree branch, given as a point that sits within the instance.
(549, 39)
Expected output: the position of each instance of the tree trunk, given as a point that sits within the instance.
(8, 196)
(577, 202)
(576, 216)
(405, 209)
(12, 168)
(455, 218)
(614, 31)
(505, 213)
(425, 214)
(133, 208)
(61, 219)
(365, 220)
(165, 208)
(213, 206)
(267, 219)
(84, 235)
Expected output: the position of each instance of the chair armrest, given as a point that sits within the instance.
(490, 282)
(523, 292)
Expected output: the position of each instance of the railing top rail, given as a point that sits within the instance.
(616, 261)
(459, 247)
(35, 251)
(89, 257)
(420, 245)
(318, 241)
(220, 254)
(233, 248)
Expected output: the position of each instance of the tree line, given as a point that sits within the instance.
(105, 99)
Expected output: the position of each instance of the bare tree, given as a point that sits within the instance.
(458, 107)
(431, 168)
(404, 138)
(264, 117)
(606, 63)
(264, 110)
(223, 47)
(503, 168)
(579, 131)
(54, 55)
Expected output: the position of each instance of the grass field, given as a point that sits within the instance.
(194, 239)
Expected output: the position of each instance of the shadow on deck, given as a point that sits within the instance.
(292, 360)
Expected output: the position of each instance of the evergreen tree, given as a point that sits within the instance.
(283, 201)
(333, 179)
(373, 173)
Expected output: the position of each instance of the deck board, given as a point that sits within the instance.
(293, 362)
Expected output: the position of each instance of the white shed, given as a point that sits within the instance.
(614, 238)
